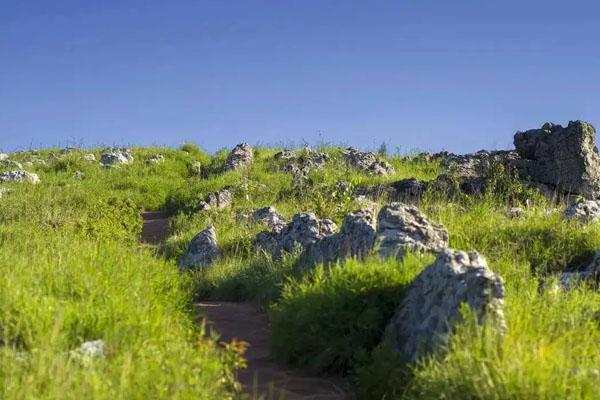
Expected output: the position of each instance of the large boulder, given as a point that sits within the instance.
(432, 303)
(202, 251)
(566, 158)
(355, 239)
(242, 155)
(402, 227)
(367, 162)
(19, 176)
(114, 156)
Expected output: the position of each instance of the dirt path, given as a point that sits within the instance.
(155, 228)
(265, 378)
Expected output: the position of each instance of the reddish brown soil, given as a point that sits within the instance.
(155, 228)
(265, 378)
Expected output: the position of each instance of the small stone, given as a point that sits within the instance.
(584, 211)
(89, 157)
(216, 200)
(155, 159)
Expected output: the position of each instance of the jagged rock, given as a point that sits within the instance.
(112, 157)
(302, 162)
(566, 158)
(216, 200)
(584, 211)
(268, 216)
(401, 227)
(355, 239)
(241, 156)
(431, 305)
(11, 164)
(304, 230)
(368, 162)
(19, 176)
(89, 157)
(155, 159)
(203, 250)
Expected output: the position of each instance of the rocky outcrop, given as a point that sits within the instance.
(431, 306)
(356, 239)
(216, 200)
(241, 156)
(114, 156)
(584, 211)
(19, 176)
(402, 227)
(367, 162)
(566, 158)
(202, 251)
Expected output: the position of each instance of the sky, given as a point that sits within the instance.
(458, 75)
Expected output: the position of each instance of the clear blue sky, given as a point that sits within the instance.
(457, 75)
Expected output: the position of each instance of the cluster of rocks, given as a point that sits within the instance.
(299, 164)
(554, 160)
(218, 200)
(241, 156)
(584, 211)
(367, 162)
(19, 176)
(113, 157)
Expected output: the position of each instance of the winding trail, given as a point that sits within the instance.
(265, 378)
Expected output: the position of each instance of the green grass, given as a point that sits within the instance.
(71, 270)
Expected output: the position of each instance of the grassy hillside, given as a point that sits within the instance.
(71, 270)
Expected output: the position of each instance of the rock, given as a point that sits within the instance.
(155, 159)
(355, 239)
(587, 272)
(241, 156)
(584, 211)
(89, 157)
(113, 157)
(19, 176)
(11, 164)
(566, 158)
(268, 216)
(203, 250)
(431, 306)
(89, 351)
(304, 230)
(216, 200)
(367, 162)
(401, 227)
(301, 163)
